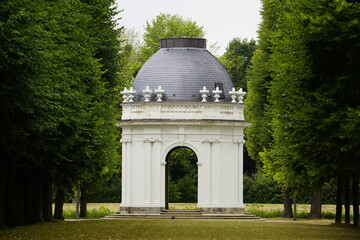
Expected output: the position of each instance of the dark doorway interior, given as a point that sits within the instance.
(181, 174)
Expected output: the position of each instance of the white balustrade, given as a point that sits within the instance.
(129, 94)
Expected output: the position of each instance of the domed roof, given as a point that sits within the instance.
(182, 67)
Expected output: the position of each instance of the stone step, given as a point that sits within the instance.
(181, 210)
(175, 212)
(188, 216)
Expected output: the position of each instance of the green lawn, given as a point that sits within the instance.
(96, 210)
(180, 229)
(262, 206)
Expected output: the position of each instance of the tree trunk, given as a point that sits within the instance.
(355, 188)
(315, 211)
(339, 193)
(347, 200)
(18, 217)
(59, 204)
(77, 202)
(295, 210)
(29, 197)
(83, 201)
(7, 199)
(2, 188)
(37, 196)
(47, 195)
(287, 204)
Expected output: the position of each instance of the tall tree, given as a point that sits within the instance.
(131, 60)
(258, 111)
(313, 72)
(312, 91)
(167, 26)
(58, 124)
(107, 51)
(237, 60)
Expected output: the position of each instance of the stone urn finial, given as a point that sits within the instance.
(125, 94)
(241, 95)
(147, 94)
(204, 94)
(217, 93)
(131, 94)
(159, 93)
(233, 95)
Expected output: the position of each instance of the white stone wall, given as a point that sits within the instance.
(213, 131)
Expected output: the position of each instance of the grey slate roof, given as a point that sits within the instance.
(182, 72)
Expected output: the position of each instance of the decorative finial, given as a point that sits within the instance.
(241, 95)
(204, 94)
(217, 93)
(131, 94)
(233, 94)
(125, 94)
(159, 93)
(147, 93)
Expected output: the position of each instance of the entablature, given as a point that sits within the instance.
(184, 111)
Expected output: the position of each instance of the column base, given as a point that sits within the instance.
(240, 210)
(141, 210)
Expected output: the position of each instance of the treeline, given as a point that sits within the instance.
(304, 100)
(59, 63)
(260, 188)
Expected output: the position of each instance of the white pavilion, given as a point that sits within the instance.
(182, 97)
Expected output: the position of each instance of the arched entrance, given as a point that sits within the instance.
(181, 176)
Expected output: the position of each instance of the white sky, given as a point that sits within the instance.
(222, 20)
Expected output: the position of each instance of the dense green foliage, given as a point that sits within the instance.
(260, 188)
(303, 87)
(93, 213)
(237, 58)
(59, 64)
(167, 26)
(183, 176)
(132, 59)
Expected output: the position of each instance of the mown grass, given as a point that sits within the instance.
(91, 213)
(180, 229)
(276, 210)
(99, 210)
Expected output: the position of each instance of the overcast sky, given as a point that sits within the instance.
(222, 20)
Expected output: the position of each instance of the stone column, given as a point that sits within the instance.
(240, 146)
(126, 174)
(211, 170)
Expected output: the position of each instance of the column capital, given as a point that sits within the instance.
(239, 141)
(126, 140)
